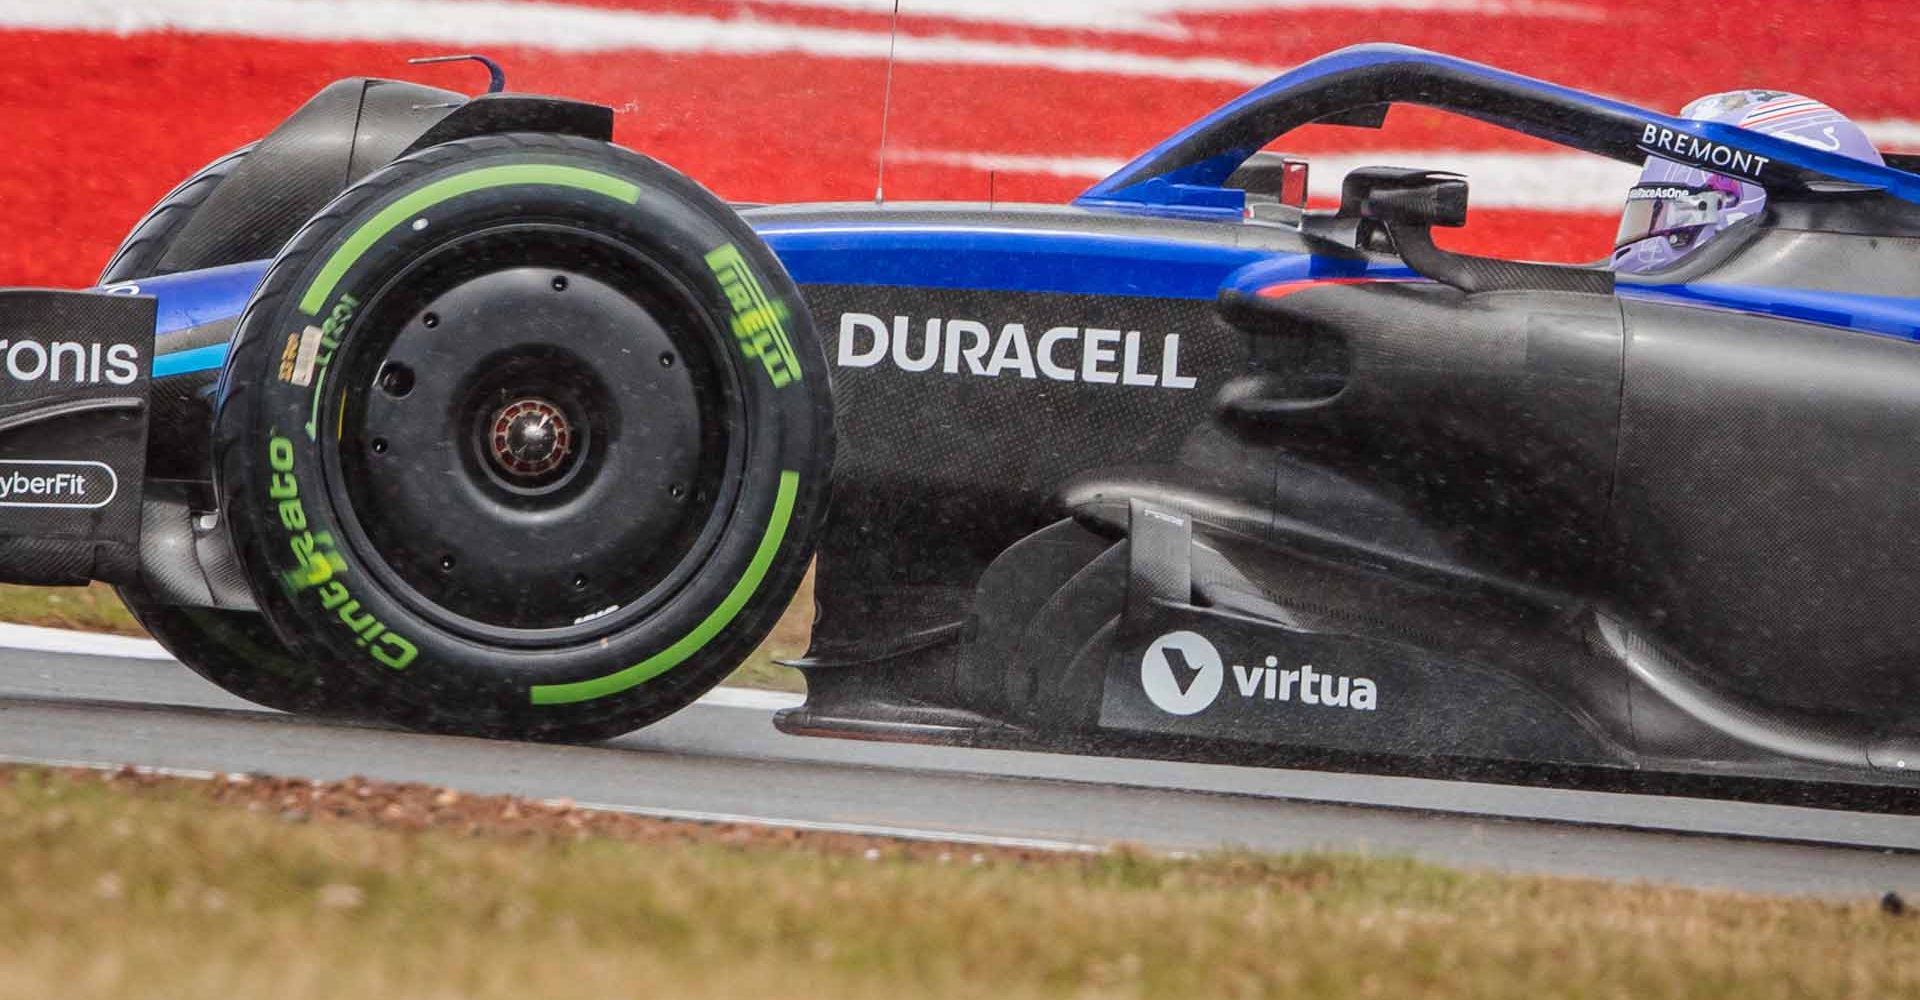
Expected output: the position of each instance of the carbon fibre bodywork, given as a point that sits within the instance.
(1181, 470)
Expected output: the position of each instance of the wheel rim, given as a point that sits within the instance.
(535, 439)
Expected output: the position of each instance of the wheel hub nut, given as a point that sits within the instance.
(529, 438)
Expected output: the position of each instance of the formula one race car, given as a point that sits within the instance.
(522, 434)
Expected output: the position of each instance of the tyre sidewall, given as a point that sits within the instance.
(274, 474)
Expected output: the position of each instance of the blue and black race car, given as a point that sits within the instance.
(449, 413)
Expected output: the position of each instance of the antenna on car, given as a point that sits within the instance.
(496, 77)
(886, 106)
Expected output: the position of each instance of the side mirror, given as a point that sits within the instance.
(1398, 197)
(1396, 210)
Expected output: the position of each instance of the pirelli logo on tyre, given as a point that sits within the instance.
(759, 324)
(319, 569)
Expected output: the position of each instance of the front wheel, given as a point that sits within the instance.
(532, 433)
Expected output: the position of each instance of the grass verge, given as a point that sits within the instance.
(95, 608)
(92, 608)
(119, 886)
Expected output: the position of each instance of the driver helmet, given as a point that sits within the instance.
(1676, 209)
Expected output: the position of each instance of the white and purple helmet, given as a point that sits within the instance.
(1675, 209)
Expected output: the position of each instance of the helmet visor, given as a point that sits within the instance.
(1668, 209)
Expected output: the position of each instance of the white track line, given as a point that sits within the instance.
(1162, 17)
(1892, 133)
(562, 27)
(680, 815)
(566, 28)
(1563, 182)
(32, 638)
(763, 701)
(59, 640)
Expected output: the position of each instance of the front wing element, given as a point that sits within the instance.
(74, 377)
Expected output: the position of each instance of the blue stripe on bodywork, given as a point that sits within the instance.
(198, 359)
(904, 256)
(1006, 260)
(1285, 268)
(196, 298)
(1886, 315)
(193, 299)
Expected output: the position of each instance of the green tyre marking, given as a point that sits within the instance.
(376, 228)
(313, 411)
(696, 640)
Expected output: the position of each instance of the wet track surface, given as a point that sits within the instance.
(722, 759)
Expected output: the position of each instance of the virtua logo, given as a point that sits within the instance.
(1182, 674)
(67, 361)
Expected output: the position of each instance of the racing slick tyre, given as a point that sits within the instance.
(236, 650)
(531, 432)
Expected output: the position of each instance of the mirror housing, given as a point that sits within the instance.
(1400, 197)
(1397, 210)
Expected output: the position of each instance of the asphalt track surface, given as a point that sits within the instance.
(721, 760)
